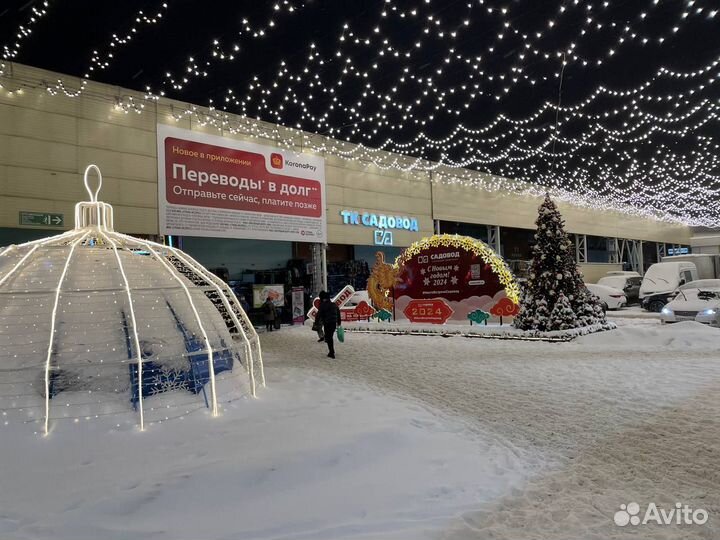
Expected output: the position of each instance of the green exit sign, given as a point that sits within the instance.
(41, 219)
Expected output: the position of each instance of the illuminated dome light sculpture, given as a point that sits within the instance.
(92, 320)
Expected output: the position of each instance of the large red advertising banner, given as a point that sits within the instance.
(214, 186)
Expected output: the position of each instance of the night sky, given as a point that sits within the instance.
(493, 43)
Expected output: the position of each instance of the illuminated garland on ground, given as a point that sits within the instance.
(118, 302)
(472, 245)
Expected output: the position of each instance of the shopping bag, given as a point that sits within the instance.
(341, 334)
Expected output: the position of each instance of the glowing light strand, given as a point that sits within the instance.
(10, 52)
(53, 320)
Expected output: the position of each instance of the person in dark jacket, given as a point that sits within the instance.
(244, 304)
(329, 314)
(270, 313)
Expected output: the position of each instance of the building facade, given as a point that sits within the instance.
(47, 137)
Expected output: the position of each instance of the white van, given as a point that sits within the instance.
(661, 280)
(708, 266)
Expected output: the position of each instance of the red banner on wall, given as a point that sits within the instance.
(213, 186)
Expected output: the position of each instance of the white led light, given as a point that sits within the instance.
(53, 319)
(607, 164)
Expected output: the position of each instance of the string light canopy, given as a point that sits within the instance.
(607, 104)
(94, 322)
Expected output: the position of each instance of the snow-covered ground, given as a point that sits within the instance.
(631, 312)
(401, 437)
(316, 457)
(627, 415)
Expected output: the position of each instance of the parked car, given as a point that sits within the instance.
(714, 322)
(661, 281)
(628, 282)
(695, 301)
(622, 273)
(610, 298)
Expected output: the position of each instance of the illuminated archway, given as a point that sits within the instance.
(472, 245)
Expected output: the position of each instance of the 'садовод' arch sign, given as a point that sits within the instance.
(461, 271)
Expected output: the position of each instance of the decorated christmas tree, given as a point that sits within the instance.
(541, 318)
(554, 279)
(586, 305)
(563, 317)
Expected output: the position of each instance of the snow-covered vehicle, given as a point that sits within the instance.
(622, 273)
(628, 282)
(610, 297)
(708, 265)
(661, 281)
(695, 301)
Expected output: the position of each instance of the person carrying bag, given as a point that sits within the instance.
(329, 316)
(317, 327)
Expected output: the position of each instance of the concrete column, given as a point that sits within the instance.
(614, 255)
(581, 248)
(494, 238)
(661, 250)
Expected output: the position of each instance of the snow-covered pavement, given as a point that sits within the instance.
(631, 312)
(401, 437)
(315, 457)
(613, 417)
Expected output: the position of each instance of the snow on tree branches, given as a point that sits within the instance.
(555, 297)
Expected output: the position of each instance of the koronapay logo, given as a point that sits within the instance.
(276, 161)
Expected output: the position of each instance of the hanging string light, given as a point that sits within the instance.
(102, 61)
(642, 149)
(24, 31)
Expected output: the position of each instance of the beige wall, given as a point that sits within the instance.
(592, 272)
(455, 203)
(366, 188)
(46, 141)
